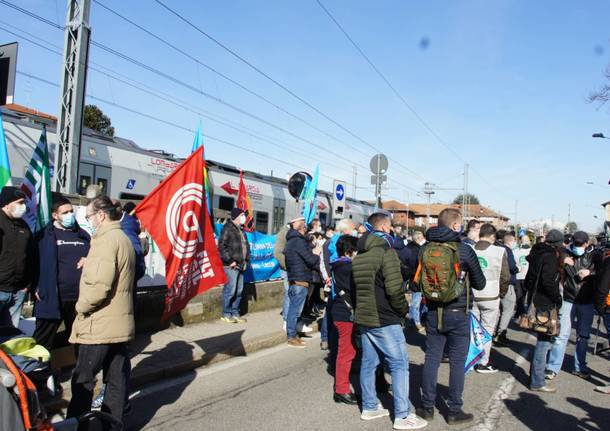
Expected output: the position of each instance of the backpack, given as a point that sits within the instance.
(438, 273)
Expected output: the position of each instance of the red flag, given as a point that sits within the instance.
(243, 203)
(175, 215)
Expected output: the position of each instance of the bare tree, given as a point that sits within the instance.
(602, 95)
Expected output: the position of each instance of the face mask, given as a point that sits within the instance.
(67, 220)
(578, 251)
(242, 220)
(354, 233)
(19, 210)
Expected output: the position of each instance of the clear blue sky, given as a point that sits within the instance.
(504, 83)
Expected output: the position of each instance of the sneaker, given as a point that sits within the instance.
(546, 388)
(411, 422)
(239, 319)
(302, 327)
(603, 389)
(424, 413)
(324, 346)
(369, 415)
(229, 319)
(485, 369)
(549, 375)
(582, 374)
(501, 339)
(296, 342)
(420, 328)
(457, 418)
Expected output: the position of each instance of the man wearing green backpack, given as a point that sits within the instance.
(447, 270)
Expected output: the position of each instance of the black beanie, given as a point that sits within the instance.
(10, 194)
(236, 212)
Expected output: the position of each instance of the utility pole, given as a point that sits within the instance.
(466, 197)
(429, 192)
(71, 106)
(515, 223)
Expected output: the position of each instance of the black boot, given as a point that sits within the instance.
(424, 413)
(459, 417)
(345, 399)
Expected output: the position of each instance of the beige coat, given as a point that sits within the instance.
(105, 306)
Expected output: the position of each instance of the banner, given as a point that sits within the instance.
(263, 266)
(478, 338)
(176, 217)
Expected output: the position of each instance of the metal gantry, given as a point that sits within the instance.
(72, 98)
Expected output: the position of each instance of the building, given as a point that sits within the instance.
(414, 215)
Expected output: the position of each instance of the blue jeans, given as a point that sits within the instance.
(286, 302)
(231, 292)
(558, 349)
(538, 365)
(455, 335)
(584, 322)
(297, 296)
(416, 309)
(11, 304)
(390, 342)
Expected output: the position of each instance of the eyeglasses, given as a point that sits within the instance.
(88, 216)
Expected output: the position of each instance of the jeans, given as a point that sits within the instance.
(92, 358)
(415, 308)
(11, 304)
(508, 304)
(232, 291)
(538, 365)
(456, 336)
(286, 299)
(389, 342)
(607, 322)
(324, 329)
(487, 312)
(345, 357)
(561, 341)
(297, 296)
(584, 322)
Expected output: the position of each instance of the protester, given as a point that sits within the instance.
(301, 260)
(380, 309)
(361, 230)
(521, 254)
(543, 277)
(17, 255)
(509, 300)
(341, 306)
(602, 301)
(62, 249)
(315, 226)
(577, 307)
(278, 253)
(104, 323)
(131, 227)
(415, 308)
(235, 254)
(472, 232)
(494, 263)
(452, 327)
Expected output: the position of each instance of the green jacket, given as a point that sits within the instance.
(380, 299)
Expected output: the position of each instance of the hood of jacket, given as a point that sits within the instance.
(370, 241)
(538, 250)
(442, 234)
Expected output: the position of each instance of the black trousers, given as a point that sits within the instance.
(92, 358)
(46, 329)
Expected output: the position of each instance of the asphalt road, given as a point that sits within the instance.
(289, 389)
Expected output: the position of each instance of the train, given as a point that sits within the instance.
(124, 170)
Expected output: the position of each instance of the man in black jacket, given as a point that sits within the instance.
(300, 262)
(235, 253)
(17, 255)
(455, 330)
(542, 281)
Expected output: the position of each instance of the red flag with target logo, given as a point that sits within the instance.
(176, 216)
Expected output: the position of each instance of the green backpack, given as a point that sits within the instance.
(438, 272)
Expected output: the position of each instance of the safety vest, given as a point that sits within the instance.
(521, 255)
(490, 261)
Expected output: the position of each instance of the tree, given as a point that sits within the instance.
(571, 227)
(95, 119)
(602, 95)
(460, 198)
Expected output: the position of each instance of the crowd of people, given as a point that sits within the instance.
(363, 275)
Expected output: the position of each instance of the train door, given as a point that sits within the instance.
(90, 173)
(279, 215)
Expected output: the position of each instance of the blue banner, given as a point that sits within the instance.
(478, 338)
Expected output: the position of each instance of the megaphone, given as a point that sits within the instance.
(297, 182)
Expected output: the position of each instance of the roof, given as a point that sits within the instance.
(435, 209)
(28, 111)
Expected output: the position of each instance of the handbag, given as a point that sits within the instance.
(540, 321)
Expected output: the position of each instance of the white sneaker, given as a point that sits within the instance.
(369, 415)
(284, 325)
(303, 328)
(411, 422)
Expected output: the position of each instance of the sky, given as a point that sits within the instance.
(499, 85)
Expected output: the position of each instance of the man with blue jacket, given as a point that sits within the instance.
(62, 247)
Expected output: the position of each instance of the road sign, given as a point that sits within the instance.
(379, 164)
(382, 179)
(338, 198)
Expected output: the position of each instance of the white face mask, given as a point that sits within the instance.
(19, 210)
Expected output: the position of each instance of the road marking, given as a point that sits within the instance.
(495, 407)
(213, 369)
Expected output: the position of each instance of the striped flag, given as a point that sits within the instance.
(37, 186)
(198, 142)
(5, 167)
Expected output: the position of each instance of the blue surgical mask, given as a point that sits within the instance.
(67, 220)
(578, 251)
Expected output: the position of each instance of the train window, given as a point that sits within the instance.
(102, 183)
(85, 178)
(261, 221)
(102, 178)
(84, 182)
(225, 203)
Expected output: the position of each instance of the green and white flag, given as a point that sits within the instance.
(37, 186)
